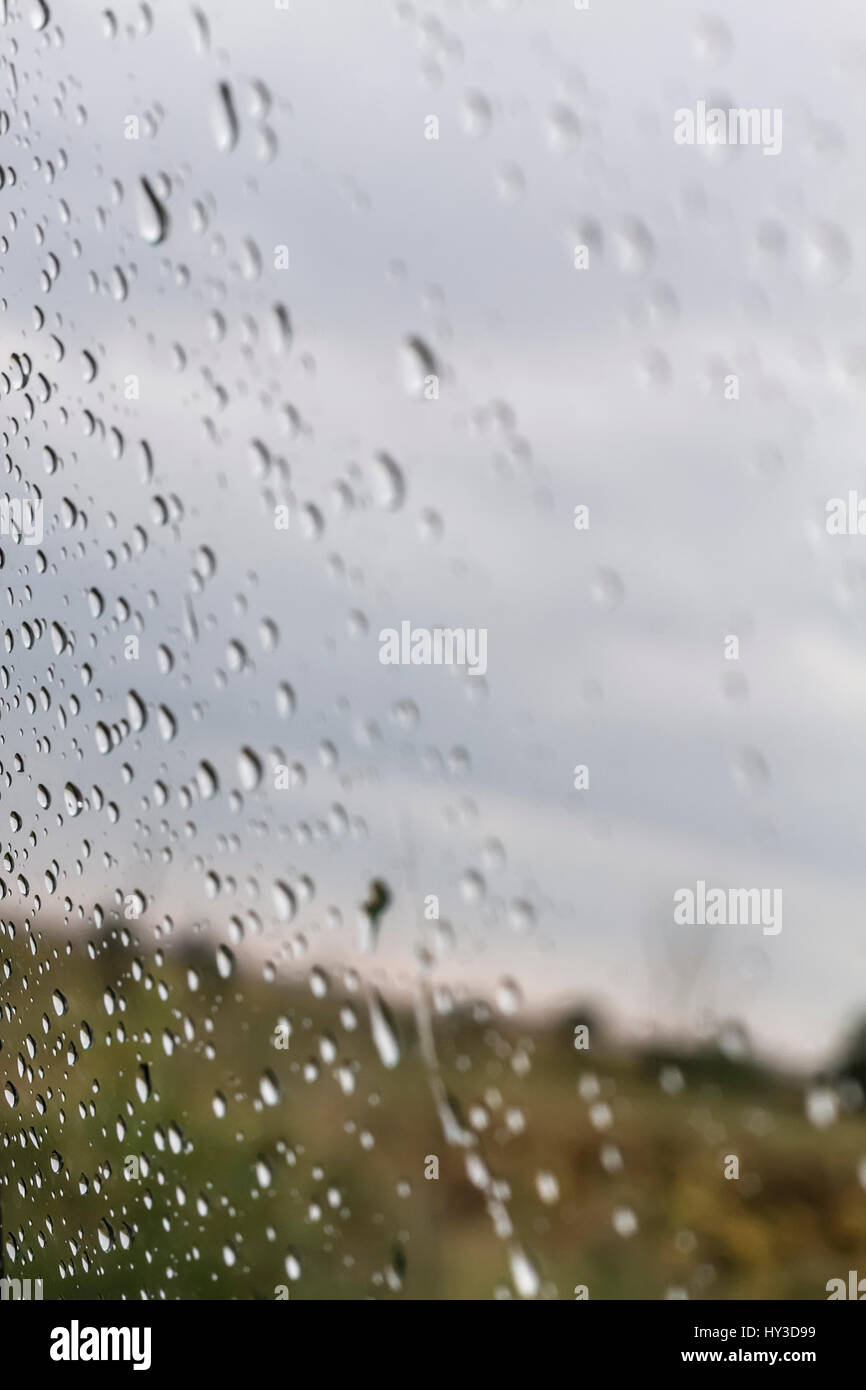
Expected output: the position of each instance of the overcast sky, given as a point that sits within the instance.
(557, 387)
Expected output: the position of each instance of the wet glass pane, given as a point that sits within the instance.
(432, 657)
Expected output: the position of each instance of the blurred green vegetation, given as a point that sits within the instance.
(335, 1181)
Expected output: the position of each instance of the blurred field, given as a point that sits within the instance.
(336, 1182)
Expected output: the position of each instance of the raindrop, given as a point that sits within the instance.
(224, 119)
(153, 220)
(249, 769)
(525, 1276)
(509, 996)
(822, 1107)
(225, 961)
(625, 1222)
(826, 253)
(750, 771)
(713, 44)
(477, 114)
(269, 1088)
(563, 128)
(608, 589)
(635, 246)
(384, 1032)
(389, 488)
(284, 902)
(417, 363)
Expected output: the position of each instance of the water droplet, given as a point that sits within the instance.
(521, 916)
(477, 114)
(153, 219)
(563, 128)
(634, 246)
(511, 183)
(389, 488)
(206, 781)
(166, 723)
(225, 961)
(608, 589)
(284, 902)
(750, 771)
(269, 1088)
(625, 1222)
(509, 996)
(384, 1032)
(417, 363)
(524, 1275)
(249, 769)
(224, 119)
(547, 1187)
(712, 41)
(826, 253)
(822, 1107)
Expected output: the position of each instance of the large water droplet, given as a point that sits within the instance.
(526, 1278)
(389, 488)
(153, 219)
(39, 14)
(224, 119)
(269, 1088)
(384, 1032)
(249, 769)
(417, 363)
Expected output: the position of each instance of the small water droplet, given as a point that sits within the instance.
(608, 589)
(389, 488)
(477, 114)
(750, 771)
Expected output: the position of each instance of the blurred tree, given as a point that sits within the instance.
(852, 1060)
